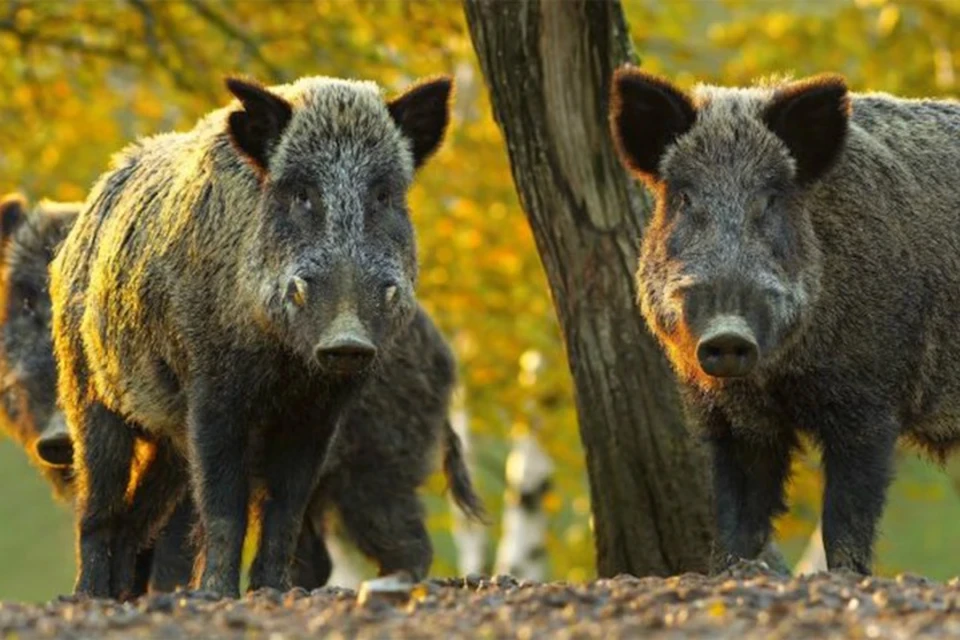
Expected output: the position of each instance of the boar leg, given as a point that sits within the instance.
(858, 468)
(386, 521)
(218, 463)
(175, 549)
(168, 563)
(291, 466)
(749, 479)
(105, 442)
(312, 564)
(160, 487)
(141, 576)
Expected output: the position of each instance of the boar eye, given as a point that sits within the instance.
(765, 202)
(302, 202)
(382, 196)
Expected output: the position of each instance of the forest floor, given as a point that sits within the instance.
(746, 602)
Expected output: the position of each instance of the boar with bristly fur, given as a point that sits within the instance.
(224, 294)
(29, 411)
(802, 272)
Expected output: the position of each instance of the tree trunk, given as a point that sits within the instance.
(547, 65)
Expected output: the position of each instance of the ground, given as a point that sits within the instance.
(745, 602)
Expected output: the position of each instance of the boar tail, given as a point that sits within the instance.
(458, 478)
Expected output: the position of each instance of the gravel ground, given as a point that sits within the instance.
(746, 602)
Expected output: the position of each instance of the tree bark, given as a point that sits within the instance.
(548, 65)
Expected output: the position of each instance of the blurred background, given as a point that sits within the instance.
(81, 79)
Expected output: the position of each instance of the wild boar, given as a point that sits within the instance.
(801, 271)
(223, 295)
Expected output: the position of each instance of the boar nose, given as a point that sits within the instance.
(54, 446)
(345, 354)
(727, 348)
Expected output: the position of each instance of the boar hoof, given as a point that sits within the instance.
(394, 588)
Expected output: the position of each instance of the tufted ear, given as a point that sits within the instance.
(422, 113)
(647, 114)
(13, 211)
(256, 129)
(811, 116)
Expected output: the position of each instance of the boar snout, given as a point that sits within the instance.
(727, 348)
(346, 349)
(345, 354)
(54, 446)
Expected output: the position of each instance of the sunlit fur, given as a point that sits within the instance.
(168, 296)
(849, 277)
(29, 369)
(183, 185)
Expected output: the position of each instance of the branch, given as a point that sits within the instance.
(251, 46)
(70, 44)
(180, 80)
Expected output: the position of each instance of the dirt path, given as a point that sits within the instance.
(746, 602)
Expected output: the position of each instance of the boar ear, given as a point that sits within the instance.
(647, 115)
(810, 117)
(257, 128)
(422, 113)
(13, 210)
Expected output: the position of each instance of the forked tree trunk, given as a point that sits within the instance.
(547, 65)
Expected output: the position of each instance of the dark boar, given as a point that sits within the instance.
(801, 271)
(29, 413)
(383, 453)
(29, 409)
(223, 295)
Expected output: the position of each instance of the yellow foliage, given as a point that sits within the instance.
(887, 19)
(552, 503)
